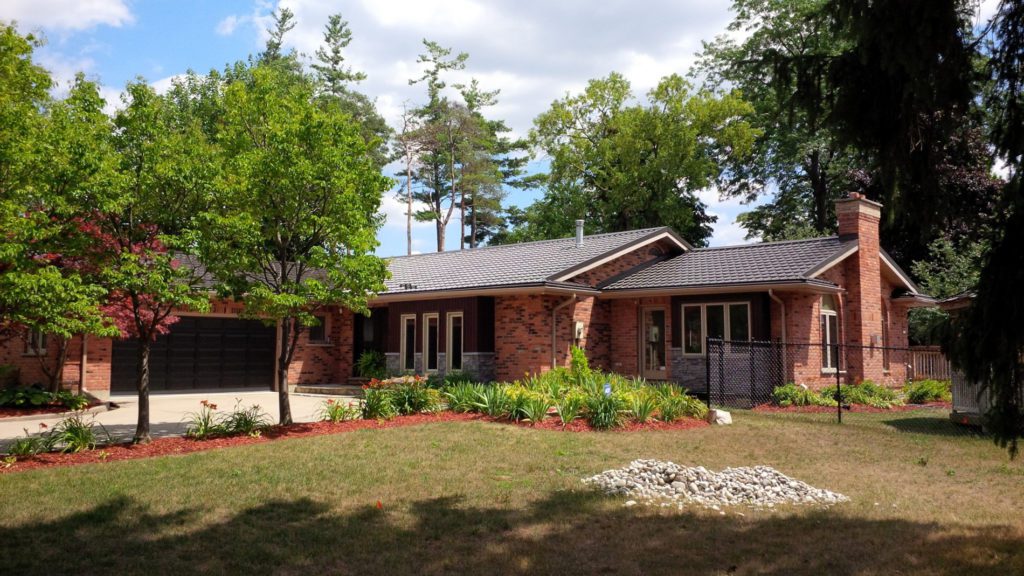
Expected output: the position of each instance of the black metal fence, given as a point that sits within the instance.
(746, 375)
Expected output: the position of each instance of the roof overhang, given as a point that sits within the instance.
(891, 265)
(811, 286)
(532, 288)
(915, 301)
(957, 302)
(667, 234)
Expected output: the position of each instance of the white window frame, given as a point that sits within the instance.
(35, 344)
(403, 349)
(426, 342)
(704, 323)
(828, 340)
(448, 341)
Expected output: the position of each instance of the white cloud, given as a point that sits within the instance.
(725, 231)
(227, 26)
(67, 14)
(164, 84)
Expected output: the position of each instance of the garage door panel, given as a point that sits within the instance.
(202, 354)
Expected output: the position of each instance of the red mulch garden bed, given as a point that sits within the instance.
(182, 445)
(772, 408)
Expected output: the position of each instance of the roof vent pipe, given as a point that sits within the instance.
(579, 233)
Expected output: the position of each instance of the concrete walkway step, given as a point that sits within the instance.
(330, 389)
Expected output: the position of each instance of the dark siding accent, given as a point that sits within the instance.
(760, 313)
(477, 316)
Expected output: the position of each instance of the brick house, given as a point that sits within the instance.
(640, 302)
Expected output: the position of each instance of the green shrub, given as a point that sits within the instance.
(462, 397)
(372, 364)
(643, 405)
(569, 407)
(866, 393)
(77, 433)
(377, 404)
(493, 400)
(605, 411)
(35, 396)
(518, 398)
(924, 391)
(413, 397)
(251, 421)
(536, 408)
(457, 377)
(336, 411)
(204, 423)
(793, 395)
(579, 367)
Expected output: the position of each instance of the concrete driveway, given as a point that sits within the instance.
(168, 412)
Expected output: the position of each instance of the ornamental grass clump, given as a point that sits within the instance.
(794, 395)
(461, 397)
(605, 411)
(493, 401)
(643, 404)
(569, 407)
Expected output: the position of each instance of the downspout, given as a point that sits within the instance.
(82, 365)
(554, 325)
(771, 294)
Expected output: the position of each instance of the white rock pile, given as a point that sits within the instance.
(667, 483)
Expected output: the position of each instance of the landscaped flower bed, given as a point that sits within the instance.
(29, 400)
(864, 397)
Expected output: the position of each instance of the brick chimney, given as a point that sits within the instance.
(858, 220)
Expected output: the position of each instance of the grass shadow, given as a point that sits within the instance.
(934, 426)
(569, 532)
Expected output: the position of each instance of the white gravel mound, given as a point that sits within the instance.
(667, 483)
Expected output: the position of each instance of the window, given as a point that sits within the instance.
(35, 344)
(729, 322)
(454, 343)
(829, 334)
(408, 351)
(318, 333)
(430, 342)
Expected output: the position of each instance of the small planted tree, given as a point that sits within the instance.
(296, 214)
(142, 226)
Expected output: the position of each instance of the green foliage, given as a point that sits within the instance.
(493, 400)
(866, 393)
(336, 411)
(794, 395)
(414, 397)
(33, 396)
(204, 423)
(621, 166)
(924, 391)
(377, 404)
(29, 444)
(463, 396)
(536, 408)
(372, 364)
(579, 365)
(77, 433)
(951, 268)
(605, 411)
(569, 407)
(643, 405)
(674, 403)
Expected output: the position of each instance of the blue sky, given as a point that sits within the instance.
(534, 51)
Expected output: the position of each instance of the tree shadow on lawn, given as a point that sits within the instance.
(568, 533)
(934, 426)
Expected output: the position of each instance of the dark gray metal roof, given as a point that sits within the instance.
(509, 265)
(764, 263)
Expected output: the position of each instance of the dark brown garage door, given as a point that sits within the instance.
(201, 353)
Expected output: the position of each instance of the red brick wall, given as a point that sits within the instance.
(30, 371)
(625, 339)
(329, 363)
(522, 334)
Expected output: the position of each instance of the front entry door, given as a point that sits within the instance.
(653, 344)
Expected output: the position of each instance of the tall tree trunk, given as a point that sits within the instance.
(472, 223)
(819, 190)
(283, 360)
(408, 205)
(142, 384)
(52, 366)
(440, 235)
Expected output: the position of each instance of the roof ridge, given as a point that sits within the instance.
(530, 243)
(772, 243)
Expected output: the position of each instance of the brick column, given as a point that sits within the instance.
(859, 219)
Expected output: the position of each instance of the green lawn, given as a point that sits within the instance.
(478, 498)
